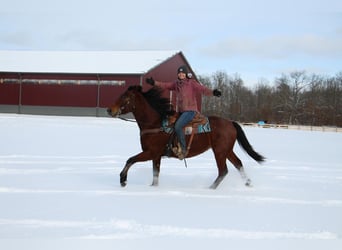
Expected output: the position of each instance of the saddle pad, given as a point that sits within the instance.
(200, 129)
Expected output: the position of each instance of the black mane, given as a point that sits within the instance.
(160, 104)
(154, 97)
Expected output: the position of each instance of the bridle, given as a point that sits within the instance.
(127, 100)
(122, 107)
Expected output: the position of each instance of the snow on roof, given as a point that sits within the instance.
(101, 62)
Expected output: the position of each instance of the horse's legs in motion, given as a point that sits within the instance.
(238, 164)
(222, 169)
(156, 170)
(143, 156)
(123, 174)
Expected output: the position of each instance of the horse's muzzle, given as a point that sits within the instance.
(113, 113)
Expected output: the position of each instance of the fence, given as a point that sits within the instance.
(296, 127)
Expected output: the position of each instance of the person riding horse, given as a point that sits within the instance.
(186, 90)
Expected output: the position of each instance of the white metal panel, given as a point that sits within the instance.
(102, 62)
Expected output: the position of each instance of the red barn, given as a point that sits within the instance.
(77, 82)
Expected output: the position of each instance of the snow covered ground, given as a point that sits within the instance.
(59, 189)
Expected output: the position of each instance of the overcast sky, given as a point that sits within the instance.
(254, 38)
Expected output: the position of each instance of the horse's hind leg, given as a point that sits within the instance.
(218, 180)
(222, 170)
(238, 164)
(244, 177)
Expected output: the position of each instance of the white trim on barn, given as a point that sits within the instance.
(85, 62)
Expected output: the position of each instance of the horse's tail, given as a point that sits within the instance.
(244, 143)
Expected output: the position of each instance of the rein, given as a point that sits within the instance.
(126, 119)
(150, 131)
(144, 131)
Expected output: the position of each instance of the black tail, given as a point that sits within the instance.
(244, 143)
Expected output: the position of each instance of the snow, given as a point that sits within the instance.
(101, 62)
(59, 189)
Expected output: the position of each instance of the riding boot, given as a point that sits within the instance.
(179, 152)
(182, 155)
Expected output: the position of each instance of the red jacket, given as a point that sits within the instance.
(186, 92)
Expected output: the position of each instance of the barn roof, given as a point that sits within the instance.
(101, 62)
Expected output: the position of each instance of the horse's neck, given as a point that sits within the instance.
(145, 115)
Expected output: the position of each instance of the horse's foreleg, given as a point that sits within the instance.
(143, 156)
(123, 174)
(156, 170)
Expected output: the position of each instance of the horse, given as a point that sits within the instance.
(150, 108)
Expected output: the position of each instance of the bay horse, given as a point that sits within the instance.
(150, 108)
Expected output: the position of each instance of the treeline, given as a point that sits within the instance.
(294, 98)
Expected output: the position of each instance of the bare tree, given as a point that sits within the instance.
(264, 99)
(294, 98)
(291, 100)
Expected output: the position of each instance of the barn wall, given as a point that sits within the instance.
(59, 95)
(109, 93)
(167, 72)
(35, 94)
(9, 94)
(41, 93)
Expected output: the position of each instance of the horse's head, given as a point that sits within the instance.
(125, 103)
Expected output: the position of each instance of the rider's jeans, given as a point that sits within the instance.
(184, 119)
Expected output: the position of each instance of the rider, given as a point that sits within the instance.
(186, 90)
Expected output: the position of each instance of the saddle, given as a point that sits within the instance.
(198, 120)
(199, 124)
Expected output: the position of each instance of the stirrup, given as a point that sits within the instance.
(179, 152)
(182, 155)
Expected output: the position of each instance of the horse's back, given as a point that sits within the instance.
(222, 129)
(221, 123)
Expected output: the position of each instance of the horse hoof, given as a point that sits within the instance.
(123, 184)
(154, 183)
(248, 183)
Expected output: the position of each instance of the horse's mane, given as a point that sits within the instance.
(154, 97)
